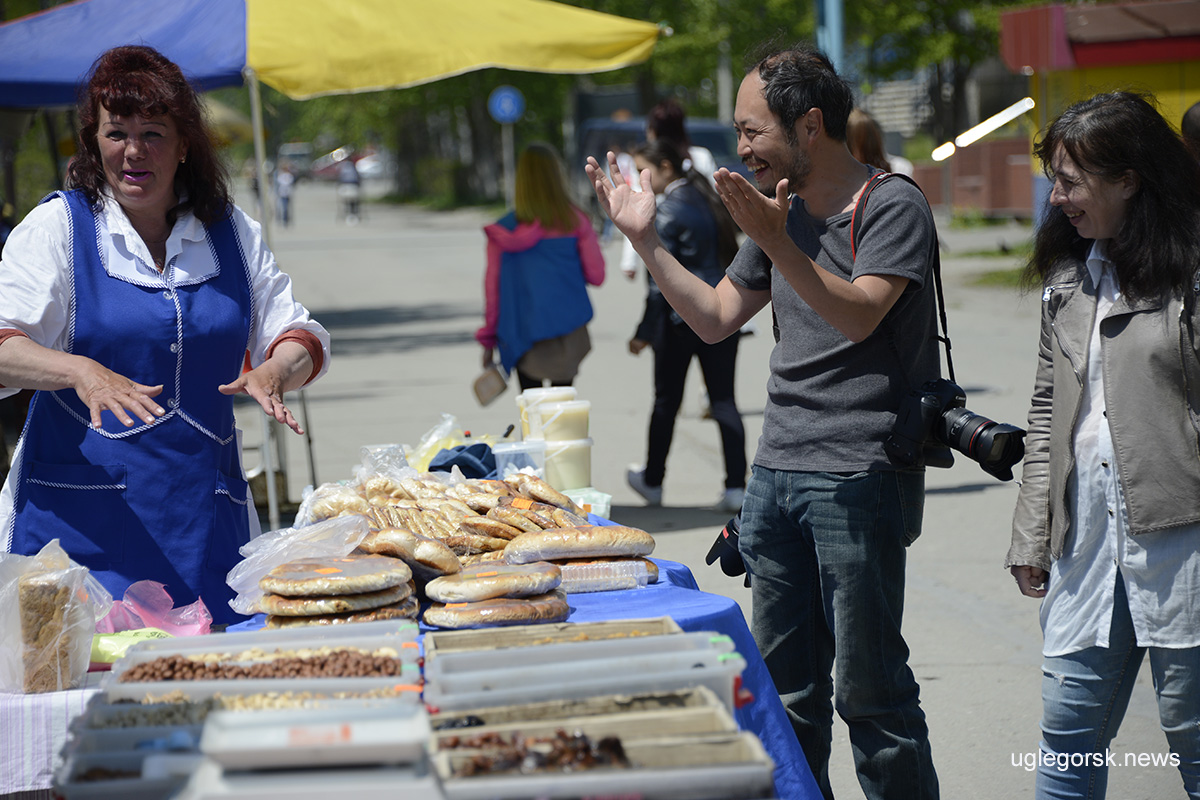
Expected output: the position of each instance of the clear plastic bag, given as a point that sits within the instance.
(333, 538)
(48, 607)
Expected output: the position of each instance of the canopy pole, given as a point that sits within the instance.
(264, 208)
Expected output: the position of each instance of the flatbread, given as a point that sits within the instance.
(336, 604)
(485, 581)
(405, 609)
(352, 574)
(499, 611)
(427, 558)
(588, 541)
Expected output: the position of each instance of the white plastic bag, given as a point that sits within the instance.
(48, 609)
(333, 538)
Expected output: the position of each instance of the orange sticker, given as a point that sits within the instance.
(454, 605)
(491, 574)
(328, 570)
(522, 502)
(587, 507)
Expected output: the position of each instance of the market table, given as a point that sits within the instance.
(33, 727)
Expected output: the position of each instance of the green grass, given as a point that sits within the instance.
(999, 278)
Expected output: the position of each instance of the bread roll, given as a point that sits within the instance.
(590, 541)
(485, 581)
(427, 558)
(352, 574)
(550, 607)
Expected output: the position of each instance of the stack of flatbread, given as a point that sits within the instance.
(495, 594)
(591, 558)
(327, 591)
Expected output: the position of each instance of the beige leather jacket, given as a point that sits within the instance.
(1149, 350)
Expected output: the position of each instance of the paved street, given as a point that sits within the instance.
(401, 294)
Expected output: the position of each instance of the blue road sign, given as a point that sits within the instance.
(506, 104)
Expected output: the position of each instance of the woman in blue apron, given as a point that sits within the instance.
(138, 303)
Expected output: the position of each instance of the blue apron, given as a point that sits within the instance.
(163, 501)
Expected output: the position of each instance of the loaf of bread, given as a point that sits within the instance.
(485, 581)
(352, 574)
(589, 541)
(405, 609)
(550, 607)
(333, 604)
(44, 600)
(427, 558)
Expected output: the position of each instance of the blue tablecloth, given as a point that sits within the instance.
(677, 595)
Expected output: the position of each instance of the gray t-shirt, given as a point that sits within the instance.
(831, 402)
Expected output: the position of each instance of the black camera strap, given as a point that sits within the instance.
(875, 180)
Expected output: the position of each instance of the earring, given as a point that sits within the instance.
(183, 160)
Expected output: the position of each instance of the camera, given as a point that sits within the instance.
(725, 549)
(934, 419)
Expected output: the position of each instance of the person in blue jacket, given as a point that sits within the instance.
(541, 257)
(697, 230)
(138, 304)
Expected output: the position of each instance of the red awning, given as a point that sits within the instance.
(1057, 37)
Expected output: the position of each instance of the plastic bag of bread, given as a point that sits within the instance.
(329, 501)
(332, 538)
(48, 608)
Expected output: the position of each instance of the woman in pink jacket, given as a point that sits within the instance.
(540, 259)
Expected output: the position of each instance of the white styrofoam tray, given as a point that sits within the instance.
(705, 767)
(409, 680)
(611, 676)
(316, 737)
(392, 782)
(402, 639)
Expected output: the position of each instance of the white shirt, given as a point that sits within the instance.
(35, 274)
(1161, 570)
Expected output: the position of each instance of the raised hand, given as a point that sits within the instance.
(760, 217)
(632, 212)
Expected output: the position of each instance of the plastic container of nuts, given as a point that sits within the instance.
(367, 635)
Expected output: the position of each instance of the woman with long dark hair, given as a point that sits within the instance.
(137, 304)
(695, 227)
(1107, 525)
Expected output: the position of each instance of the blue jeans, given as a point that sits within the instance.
(826, 552)
(1084, 698)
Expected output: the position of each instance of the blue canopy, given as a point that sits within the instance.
(44, 57)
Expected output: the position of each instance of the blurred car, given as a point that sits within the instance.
(598, 135)
(298, 156)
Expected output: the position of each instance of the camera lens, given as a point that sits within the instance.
(994, 445)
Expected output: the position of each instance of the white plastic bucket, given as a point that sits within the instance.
(569, 464)
(532, 398)
(559, 420)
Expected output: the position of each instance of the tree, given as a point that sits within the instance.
(951, 37)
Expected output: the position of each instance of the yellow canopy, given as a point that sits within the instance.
(321, 47)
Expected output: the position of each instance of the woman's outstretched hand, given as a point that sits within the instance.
(101, 390)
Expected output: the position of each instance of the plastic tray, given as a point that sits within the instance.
(101, 715)
(707, 767)
(628, 726)
(200, 690)
(366, 635)
(144, 739)
(316, 737)
(613, 576)
(507, 687)
(438, 642)
(573, 652)
(374, 783)
(69, 786)
(679, 699)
